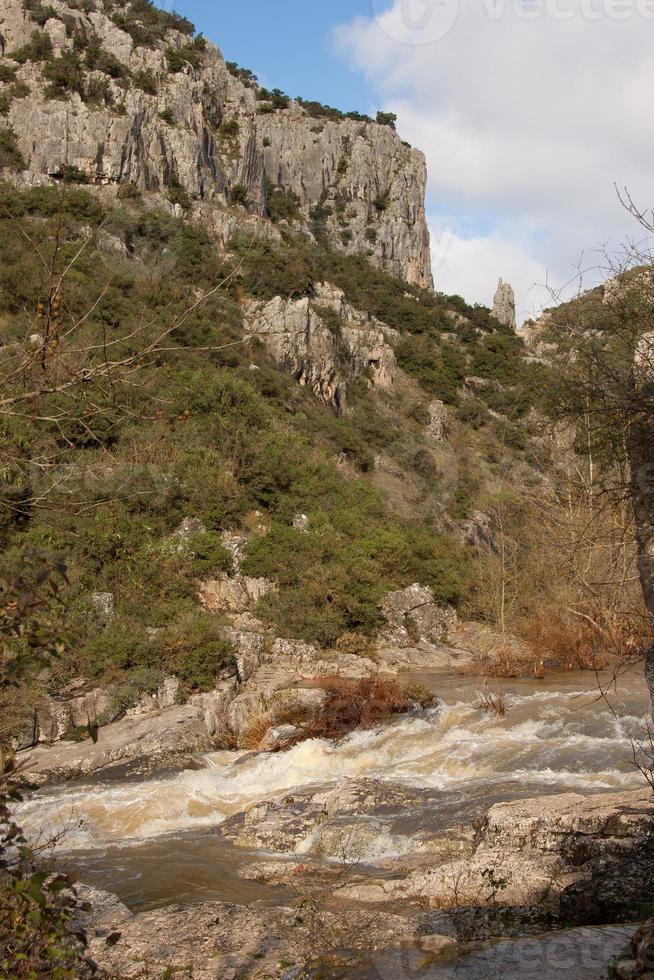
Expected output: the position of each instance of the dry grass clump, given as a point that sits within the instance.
(506, 660)
(492, 702)
(563, 644)
(357, 645)
(256, 731)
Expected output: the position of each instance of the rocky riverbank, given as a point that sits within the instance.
(531, 867)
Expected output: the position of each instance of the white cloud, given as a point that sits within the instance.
(471, 266)
(527, 124)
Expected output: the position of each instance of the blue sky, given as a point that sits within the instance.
(288, 45)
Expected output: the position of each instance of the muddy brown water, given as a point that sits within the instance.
(156, 842)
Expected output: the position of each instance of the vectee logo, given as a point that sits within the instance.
(416, 21)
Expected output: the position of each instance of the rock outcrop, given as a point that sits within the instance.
(167, 113)
(155, 741)
(585, 858)
(504, 305)
(324, 342)
(356, 821)
(418, 631)
(212, 940)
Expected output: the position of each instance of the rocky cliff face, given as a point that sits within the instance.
(164, 112)
(324, 342)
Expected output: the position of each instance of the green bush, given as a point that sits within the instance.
(121, 648)
(129, 192)
(195, 650)
(386, 119)
(333, 578)
(65, 75)
(98, 92)
(38, 48)
(239, 194)
(98, 59)
(125, 693)
(7, 73)
(229, 128)
(40, 12)
(283, 205)
(189, 54)
(167, 116)
(10, 155)
(147, 24)
(146, 81)
(439, 369)
(211, 557)
(71, 174)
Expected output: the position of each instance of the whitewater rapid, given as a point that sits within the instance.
(555, 738)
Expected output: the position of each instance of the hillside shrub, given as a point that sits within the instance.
(10, 155)
(38, 48)
(195, 650)
(283, 205)
(65, 75)
(146, 81)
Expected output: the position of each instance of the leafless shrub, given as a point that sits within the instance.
(642, 753)
(493, 702)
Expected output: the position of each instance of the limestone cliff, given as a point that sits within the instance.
(104, 94)
(324, 342)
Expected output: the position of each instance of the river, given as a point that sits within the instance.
(154, 842)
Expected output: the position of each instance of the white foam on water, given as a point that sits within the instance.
(544, 740)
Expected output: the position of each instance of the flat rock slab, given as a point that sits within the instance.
(211, 940)
(553, 823)
(160, 736)
(363, 821)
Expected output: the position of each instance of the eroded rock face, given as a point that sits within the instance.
(414, 618)
(504, 305)
(57, 716)
(236, 594)
(324, 342)
(439, 422)
(367, 186)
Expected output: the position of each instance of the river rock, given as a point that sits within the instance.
(586, 859)
(357, 820)
(161, 739)
(638, 961)
(211, 940)
(575, 826)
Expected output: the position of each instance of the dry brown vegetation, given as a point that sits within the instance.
(562, 571)
(493, 702)
(349, 705)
